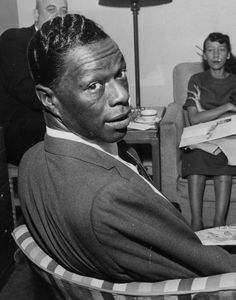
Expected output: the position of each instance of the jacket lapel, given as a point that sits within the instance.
(91, 155)
(86, 153)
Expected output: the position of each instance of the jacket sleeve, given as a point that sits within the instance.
(15, 73)
(148, 238)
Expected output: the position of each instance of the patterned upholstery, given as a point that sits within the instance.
(67, 285)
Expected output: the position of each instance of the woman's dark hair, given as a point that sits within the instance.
(48, 46)
(218, 37)
(230, 65)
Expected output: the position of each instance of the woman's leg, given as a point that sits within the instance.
(196, 187)
(223, 185)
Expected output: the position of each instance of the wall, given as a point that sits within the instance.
(167, 36)
(8, 14)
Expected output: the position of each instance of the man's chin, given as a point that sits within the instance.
(118, 135)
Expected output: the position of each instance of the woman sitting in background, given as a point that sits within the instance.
(209, 97)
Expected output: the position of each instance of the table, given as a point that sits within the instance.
(152, 137)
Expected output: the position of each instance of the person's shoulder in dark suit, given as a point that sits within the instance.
(14, 71)
(17, 34)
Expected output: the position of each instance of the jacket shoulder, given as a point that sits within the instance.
(17, 33)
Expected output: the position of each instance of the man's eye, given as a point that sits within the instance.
(95, 86)
(122, 74)
(51, 10)
(64, 11)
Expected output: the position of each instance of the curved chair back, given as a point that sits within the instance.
(181, 74)
(67, 285)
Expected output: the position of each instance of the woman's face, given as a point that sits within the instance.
(216, 55)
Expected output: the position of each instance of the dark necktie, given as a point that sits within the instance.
(142, 171)
(128, 154)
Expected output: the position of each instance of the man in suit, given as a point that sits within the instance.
(82, 197)
(20, 111)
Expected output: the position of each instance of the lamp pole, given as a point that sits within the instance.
(135, 10)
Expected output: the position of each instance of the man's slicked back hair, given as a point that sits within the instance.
(49, 46)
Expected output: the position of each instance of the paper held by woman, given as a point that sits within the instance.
(222, 236)
(208, 131)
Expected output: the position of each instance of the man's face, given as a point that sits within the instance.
(93, 94)
(49, 9)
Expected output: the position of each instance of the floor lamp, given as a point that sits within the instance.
(135, 7)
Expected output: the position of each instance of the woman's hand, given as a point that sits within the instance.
(196, 97)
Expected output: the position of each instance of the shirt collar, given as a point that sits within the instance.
(107, 147)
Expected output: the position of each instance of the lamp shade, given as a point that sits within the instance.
(127, 3)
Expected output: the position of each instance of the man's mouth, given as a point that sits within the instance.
(120, 121)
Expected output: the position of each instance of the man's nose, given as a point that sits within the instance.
(119, 93)
(59, 13)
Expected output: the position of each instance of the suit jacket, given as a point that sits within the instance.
(20, 110)
(97, 217)
(17, 90)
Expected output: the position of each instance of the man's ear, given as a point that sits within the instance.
(48, 99)
(35, 15)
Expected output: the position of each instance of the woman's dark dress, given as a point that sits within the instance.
(214, 92)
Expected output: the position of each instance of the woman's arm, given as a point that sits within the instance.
(198, 115)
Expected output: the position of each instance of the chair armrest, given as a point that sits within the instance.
(171, 128)
(69, 284)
